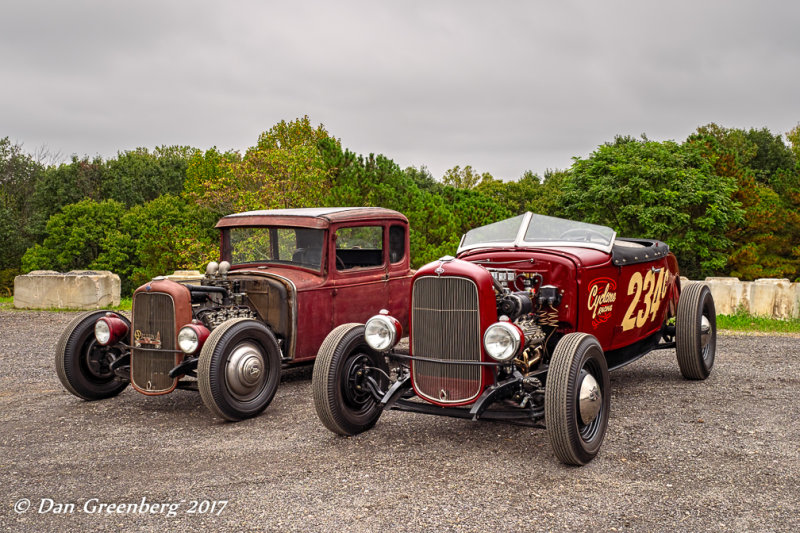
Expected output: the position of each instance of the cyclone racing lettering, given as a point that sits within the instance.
(602, 295)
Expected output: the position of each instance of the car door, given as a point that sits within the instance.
(359, 264)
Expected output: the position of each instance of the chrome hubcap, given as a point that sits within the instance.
(705, 331)
(245, 373)
(590, 399)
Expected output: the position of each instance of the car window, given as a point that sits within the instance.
(397, 243)
(360, 246)
(283, 245)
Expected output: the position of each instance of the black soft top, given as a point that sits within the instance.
(632, 251)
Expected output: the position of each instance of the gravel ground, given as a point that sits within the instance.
(716, 455)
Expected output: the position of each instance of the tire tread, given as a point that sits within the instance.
(687, 339)
(323, 381)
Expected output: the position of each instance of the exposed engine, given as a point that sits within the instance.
(218, 298)
(532, 310)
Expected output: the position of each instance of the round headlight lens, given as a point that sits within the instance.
(380, 333)
(502, 341)
(102, 332)
(187, 340)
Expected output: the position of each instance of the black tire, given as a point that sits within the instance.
(576, 438)
(340, 407)
(82, 365)
(239, 369)
(696, 331)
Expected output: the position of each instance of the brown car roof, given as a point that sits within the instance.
(310, 217)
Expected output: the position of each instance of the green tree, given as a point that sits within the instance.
(64, 184)
(19, 173)
(75, 236)
(138, 176)
(660, 190)
(157, 238)
(284, 169)
(464, 178)
(765, 242)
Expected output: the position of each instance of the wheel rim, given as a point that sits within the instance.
(246, 372)
(97, 362)
(705, 335)
(589, 398)
(590, 402)
(355, 394)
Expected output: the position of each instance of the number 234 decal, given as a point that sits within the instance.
(654, 290)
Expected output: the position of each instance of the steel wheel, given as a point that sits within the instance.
(239, 369)
(341, 397)
(82, 365)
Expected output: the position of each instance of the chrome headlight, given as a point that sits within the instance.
(502, 341)
(188, 340)
(192, 337)
(102, 332)
(109, 329)
(382, 332)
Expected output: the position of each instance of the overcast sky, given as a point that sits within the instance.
(502, 86)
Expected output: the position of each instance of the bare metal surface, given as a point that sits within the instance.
(714, 455)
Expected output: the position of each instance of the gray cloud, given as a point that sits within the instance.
(505, 87)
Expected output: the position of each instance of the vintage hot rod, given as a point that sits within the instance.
(522, 325)
(286, 278)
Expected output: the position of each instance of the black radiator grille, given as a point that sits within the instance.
(153, 329)
(445, 325)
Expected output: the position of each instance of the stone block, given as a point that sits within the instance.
(78, 289)
(774, 298)
(185, 275)
(730, 295)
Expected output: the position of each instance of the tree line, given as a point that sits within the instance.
(725, 200)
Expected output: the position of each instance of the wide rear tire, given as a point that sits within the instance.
(696, 331)
(82, 365)
(341, 405)
(239, 369)
(577, 399)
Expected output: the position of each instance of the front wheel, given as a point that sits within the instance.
(577, 398)
(239, 369)
(83, 365)
(696, 331)
(342, 399)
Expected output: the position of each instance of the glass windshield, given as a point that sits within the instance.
(268, 244)
(539, 230)
(503, 231)
(542, 228)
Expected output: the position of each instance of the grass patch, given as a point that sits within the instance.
(125, 304)
(747, 322)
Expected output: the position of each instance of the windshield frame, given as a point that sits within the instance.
(520, 242)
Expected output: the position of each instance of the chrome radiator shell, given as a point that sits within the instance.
(445, 325)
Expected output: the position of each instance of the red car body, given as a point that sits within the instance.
(286, 278)
(523, 325)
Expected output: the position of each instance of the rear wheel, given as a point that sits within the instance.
(341, 397)
(577, 398)
(239, 369)
(83, 365)
(696, 331)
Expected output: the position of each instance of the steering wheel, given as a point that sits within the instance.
(586, 233)
(340, 264)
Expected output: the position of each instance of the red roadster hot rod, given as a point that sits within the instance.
(522, 325)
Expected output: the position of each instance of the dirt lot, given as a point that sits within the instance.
(716, 455)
